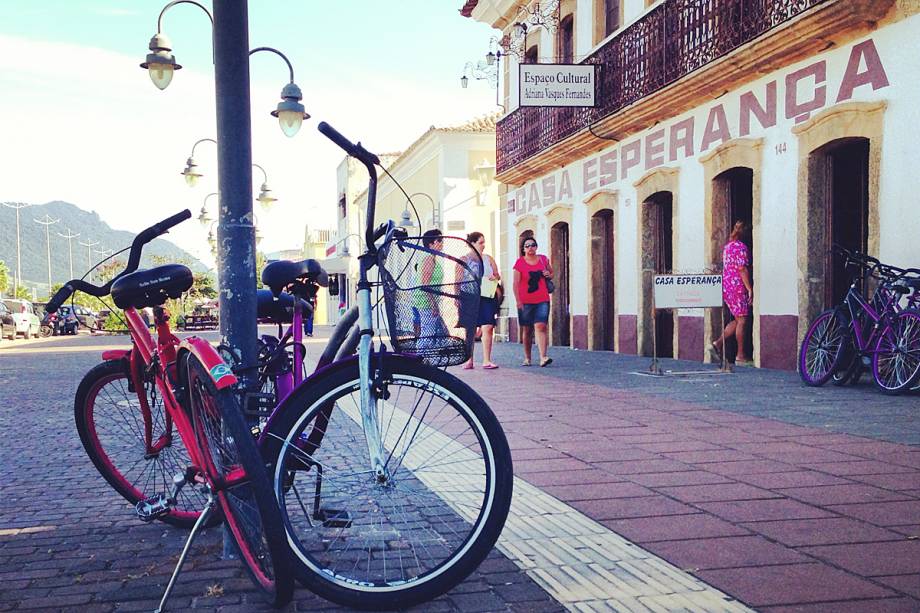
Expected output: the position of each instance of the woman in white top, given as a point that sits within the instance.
(488, 305)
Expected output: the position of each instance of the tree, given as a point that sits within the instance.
(4, 278)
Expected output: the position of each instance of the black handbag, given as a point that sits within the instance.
(550, 286)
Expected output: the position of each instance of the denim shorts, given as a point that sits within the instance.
(529, 314)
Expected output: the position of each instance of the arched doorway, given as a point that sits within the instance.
(657, 258)
(559, 320)
(733, 200)
(602, 281)
(838, 198)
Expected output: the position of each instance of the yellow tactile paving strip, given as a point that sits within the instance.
(579, 562)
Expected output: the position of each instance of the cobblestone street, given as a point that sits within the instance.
(632, 493)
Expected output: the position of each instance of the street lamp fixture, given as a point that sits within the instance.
(191, 172)
(290, 112)
(485, 172)
(406, 218)
(161, 63)
(203, 216)
(266, 199)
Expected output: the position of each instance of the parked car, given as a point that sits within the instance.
(7, 323)
(27, 322)
(76, 316)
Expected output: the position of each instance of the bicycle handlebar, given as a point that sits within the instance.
(134, 259)
(358, 152)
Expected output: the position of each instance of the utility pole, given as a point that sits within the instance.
(235, 232)
(48, 222)
(89, 244)
(17, 278)
(69, 236)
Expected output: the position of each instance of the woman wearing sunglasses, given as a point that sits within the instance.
(530, 274)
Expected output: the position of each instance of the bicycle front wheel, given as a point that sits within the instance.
(823, 347)
(237, 476)
(896, 359)
(407, 537)
(132, 441)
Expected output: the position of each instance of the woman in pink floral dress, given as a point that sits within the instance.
(737, 291)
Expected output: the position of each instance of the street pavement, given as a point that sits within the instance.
(689, 492)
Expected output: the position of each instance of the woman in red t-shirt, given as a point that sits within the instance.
(530, 274)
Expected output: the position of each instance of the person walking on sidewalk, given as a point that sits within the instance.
(488, 305)
(737, 291)
(531, 271)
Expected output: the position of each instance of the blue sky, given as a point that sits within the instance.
(89, 127)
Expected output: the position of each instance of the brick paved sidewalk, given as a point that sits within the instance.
(782, 516)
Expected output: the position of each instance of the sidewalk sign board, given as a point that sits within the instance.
(685, 291)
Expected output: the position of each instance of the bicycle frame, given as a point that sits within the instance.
(163, 354)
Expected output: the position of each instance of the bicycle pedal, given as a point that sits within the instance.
(150, 508)
(333, 518)
(258, 404)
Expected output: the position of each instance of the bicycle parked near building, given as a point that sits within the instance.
(162, 424)
(393, 476)
(881, 332)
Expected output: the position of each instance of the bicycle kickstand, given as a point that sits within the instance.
(202, 519)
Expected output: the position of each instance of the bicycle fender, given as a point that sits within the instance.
(116, 354)
(218, 369)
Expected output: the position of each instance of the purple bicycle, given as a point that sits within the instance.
(880, 333)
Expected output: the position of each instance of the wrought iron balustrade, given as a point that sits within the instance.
(672, 40)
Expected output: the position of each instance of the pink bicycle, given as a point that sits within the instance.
(162, 425)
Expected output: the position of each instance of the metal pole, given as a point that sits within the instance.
(69, 236)
(89, 244)
(17, 278)
(235, 232)
(48, 222)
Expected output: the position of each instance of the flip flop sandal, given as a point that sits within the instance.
(546, 362)
(490, 366)
(468, 366)
(525, 363)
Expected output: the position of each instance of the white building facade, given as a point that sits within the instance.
(797, 117)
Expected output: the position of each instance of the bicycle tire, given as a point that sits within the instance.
(822, 348)
(111, 420)
(462, 520)
(850, 368)
(896, 358)
(250, 511)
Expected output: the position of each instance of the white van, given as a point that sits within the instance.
(27, 322)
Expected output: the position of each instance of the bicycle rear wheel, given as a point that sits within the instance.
(113, 422)
(407, 538)
(823, 347)
(238, 478)
(896, 359)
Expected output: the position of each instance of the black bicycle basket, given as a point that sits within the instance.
(431, 297)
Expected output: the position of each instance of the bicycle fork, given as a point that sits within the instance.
(368, 401)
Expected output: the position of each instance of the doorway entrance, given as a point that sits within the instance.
(733, 200)
(603, 315)
(846, 209)
(658, 258)
(559, 320)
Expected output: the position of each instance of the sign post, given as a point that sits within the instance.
(557, 84)
(685, 291)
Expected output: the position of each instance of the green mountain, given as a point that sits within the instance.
(88, 225)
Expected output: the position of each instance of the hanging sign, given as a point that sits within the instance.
(557, 84)
(688, 291)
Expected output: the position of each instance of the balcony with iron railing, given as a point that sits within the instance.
(671, 41)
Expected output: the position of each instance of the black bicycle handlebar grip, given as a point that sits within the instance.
(355, 151)
(159, 228)
(58, 299)
(336, 137)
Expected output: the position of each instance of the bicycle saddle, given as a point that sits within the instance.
(279, 310)
(282, 273)
(151, 287)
